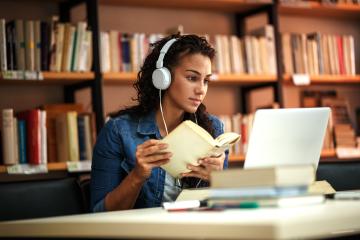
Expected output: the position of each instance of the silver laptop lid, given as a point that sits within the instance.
(292, 136)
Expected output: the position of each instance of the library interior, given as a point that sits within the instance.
(280, 154)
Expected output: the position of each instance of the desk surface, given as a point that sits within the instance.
(333, 218)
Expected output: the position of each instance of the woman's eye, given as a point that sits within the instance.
(206, 81)
(191, 78)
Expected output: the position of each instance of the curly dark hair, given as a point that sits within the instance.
(148, 95)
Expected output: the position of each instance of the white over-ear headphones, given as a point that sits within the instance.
(161, 76)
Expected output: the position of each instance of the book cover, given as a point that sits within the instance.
(199, 143)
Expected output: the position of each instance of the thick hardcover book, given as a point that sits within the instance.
(8, 137)
(189, 142)
(32, 118)
(269, 176)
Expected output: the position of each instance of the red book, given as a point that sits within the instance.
(340, 54)
(33, 141)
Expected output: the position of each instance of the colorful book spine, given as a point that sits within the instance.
(22, 141)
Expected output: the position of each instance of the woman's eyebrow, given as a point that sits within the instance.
(197, 73)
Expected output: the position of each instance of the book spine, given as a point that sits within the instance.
(43, 132)
(10, 45)
(20, 45)
(22, 141)
(87, 136)
(37, 45)
(73, 137)
(3, 60)
(8, 138)
(29, 46)
(81, 135)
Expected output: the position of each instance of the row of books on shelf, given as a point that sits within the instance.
(252, 54)
(317, 54)
(268, 187)
(341, 130)
(34, 46)
(52, 133)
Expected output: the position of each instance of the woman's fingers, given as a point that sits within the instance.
(149, 143)
(154, 148)
(154, 157)
(159, 162)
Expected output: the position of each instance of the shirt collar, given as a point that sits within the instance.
(147, 124)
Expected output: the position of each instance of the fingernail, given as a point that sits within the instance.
(200, 161)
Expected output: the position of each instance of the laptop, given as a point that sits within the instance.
(292, 136)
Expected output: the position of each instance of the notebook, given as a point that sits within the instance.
(292, 136)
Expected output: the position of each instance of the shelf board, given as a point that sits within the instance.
(316, 9)
(56, 166)
(328, 79)
(129, 78)
(51, 78)
(222, 5)
(327, 155)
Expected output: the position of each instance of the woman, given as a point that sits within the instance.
(128, 153)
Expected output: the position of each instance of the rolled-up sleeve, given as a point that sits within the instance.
(218, 130)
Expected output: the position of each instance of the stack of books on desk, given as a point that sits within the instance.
(258, 187)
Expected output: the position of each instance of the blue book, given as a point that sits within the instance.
(252, 192)
(22, 141)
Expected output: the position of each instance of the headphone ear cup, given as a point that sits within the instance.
(161, 78)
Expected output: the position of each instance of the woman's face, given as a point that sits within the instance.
(190, 82)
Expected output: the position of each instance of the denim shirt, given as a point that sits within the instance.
(114, 158)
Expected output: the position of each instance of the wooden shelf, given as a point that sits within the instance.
(218, 5)
(57, 166)
(55, 78)
(326, 156)
(316, 9)
(129, 78)
(328, 79)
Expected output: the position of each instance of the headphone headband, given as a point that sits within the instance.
(163, 51)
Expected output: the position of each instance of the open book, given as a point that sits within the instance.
(189, 142)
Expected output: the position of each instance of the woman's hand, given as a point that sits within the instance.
(206, 166)
(150, 154)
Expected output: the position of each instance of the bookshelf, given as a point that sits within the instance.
(240, 9)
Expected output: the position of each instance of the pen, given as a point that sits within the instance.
(242, 205)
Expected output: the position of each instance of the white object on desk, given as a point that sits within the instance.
(331, 219)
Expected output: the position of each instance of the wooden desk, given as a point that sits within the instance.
(334, 218)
